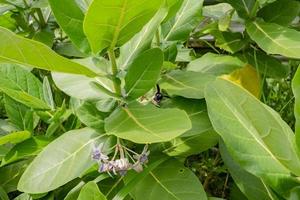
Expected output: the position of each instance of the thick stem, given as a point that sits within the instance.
(254, 9)
(114, 69)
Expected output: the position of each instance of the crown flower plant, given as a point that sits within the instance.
(149, 100)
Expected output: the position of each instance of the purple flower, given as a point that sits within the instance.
(98, 155)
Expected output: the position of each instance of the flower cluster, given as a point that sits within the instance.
(122, 164)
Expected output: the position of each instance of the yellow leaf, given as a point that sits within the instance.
(247, 77)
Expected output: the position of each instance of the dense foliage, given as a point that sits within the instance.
(149, 99)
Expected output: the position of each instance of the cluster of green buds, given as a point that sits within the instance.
(120, 163)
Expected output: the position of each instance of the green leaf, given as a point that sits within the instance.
(243, 7)
(25, 149)
(229, 41)
(296, 92)
(61, 161)
(185, 83)
(91, 191)
(112, 23)
(10, 175)
(147, 124)
(79, 86)
(3, 195)
(22, 86)
(186, 20)
(252, 132)
(19, 115)
(275, 39)
(265, 64)
(173, 6)
(215, 64)
(252, 186)
(15, 137)
(70, 18)
(281, 12)
(89, 115)
(198, 139)
(143, 73)
(142, 40)
(47, 93)
(30, 53)
(170, 180)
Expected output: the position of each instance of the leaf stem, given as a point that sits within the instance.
(114, 69)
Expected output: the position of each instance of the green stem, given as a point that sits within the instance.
(114, 69)
(254, 9)
(41, 17)
(157, 36)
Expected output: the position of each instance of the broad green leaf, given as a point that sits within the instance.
(15, 137)
(61, 161)
(200, 137)
(143, 73)
(10, 175)
(281, 12)
(185, 83)
(215, 64)
(170, 180)
(91, 191)
(142, 40)
(22, 86)
(253, 187)
(70, 18)
(79, 86)
(296, 91)
(19, 115)
(265, 64)
(275, 39)
(30, 53)
(186, 20)
(89, 115)
(147, 124)
(112, 23)
(252, 132)
(25, 149)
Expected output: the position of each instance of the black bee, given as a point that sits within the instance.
(158, 97)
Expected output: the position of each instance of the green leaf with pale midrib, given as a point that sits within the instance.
(252, 133)
(15, 137)
(70, 18)
(170, 180)
(147, 124)
(186, 20)
(185, 83)
(34, 54)
(275, 39)
(143, 73)
(112, 23)
(142, 40)
(61, 161)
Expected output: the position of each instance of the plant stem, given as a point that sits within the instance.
(157, 36)
(114, 69)
(254, 9)
(41, 17)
